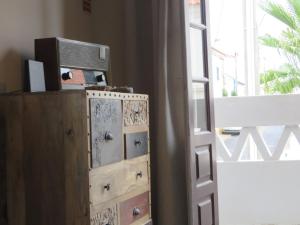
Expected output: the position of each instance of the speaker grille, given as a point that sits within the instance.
(82, 55)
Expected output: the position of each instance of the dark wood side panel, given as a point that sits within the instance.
(44, 160)
(56, 159)
(12, 110)
(76, 158)
(3, 198)
(46, 51)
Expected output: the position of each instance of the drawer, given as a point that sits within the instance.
(107, 184)
(135, 112)
(137, 175)
(134, 209)
(111, 182)
(107, 216)
(136, 144)
(148, 223)
(106, 132)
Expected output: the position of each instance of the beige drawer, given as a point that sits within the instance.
(137, 174)
(135, 113)
(106, 216)
(113, 181)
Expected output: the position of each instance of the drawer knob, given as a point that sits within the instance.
(107, 187)
(108, 136)
(137, 142)
(136, 211)
(139, 174)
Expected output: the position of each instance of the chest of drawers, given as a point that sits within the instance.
(76, 158)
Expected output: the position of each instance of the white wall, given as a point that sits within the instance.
(23, 21)
(253, 193)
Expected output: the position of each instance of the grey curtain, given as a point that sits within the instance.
(169, 134)
(155, 65)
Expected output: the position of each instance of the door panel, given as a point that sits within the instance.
(203, 165)
(205, 212)
(201, 154)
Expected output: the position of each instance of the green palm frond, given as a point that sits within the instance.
(270, 41)
(288, 43)
(280, 13)
(295, 4)
(286, 79)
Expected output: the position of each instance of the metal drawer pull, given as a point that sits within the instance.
(137, 142)
(108, 136)
(136, 211)
(107, 187)
(139, 174)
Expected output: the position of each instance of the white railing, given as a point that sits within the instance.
(264, 189)
(252, 113)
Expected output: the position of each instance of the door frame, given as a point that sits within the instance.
(205, 138)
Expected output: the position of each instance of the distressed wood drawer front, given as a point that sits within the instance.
(106, 131)
(107, 184)
(135, 112)
(136, 144)
(115, 180)
(107, 216)
(133, 209)
(137, 175)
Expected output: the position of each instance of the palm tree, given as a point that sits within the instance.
(286, 79)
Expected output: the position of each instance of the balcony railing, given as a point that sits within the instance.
(254, 136)
(271, 121)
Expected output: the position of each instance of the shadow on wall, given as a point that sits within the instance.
(11, 70)
(77, 24)
(23, 21)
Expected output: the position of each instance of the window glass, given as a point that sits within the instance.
(196, 43)
(200, 107)
(195, 11)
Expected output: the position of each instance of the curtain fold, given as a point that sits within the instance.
(155, 64)
(169, 135)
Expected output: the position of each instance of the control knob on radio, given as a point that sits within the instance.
(67, 76)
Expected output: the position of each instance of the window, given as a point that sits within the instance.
(198, 51)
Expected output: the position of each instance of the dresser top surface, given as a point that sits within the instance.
(88, 93)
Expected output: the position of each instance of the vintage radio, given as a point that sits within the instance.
(76, 157)
(72, 64)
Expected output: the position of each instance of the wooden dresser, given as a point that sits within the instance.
(77, 158)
